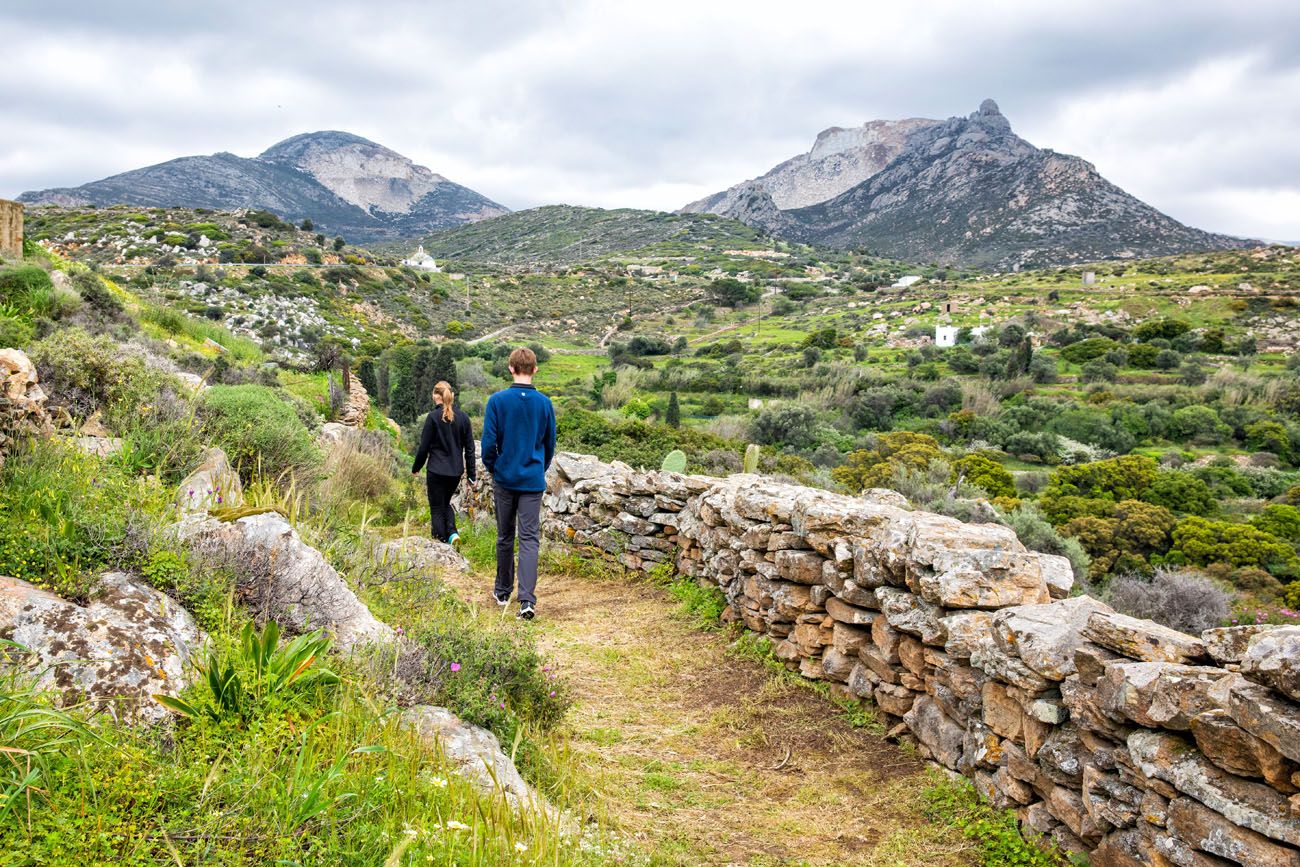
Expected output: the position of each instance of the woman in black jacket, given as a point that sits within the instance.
(447, 444)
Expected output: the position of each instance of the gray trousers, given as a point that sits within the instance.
(525, 510)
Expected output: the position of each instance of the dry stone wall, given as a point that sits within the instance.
(11, 230)
(1106, 734)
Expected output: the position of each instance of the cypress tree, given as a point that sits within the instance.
(674, 415)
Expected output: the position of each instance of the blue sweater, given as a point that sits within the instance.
(519, 438)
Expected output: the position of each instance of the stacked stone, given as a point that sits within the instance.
(1105, 734)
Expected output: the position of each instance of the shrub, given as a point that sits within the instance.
(258, 429)
(985, 473)
(1124, 541)
(1123, 478)
(792, 426)
(1202, 542)
(1087, 350)
(1036, 534)
(1200, 424)
(730, 292)
(1183, 600)
(1279, 520)
(1182, 492)
(874, 467)
(83, 374)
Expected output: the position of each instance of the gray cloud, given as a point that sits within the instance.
(1192, 107)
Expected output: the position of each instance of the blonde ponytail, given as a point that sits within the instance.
(443, 392)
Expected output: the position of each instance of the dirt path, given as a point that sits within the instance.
(708, 758)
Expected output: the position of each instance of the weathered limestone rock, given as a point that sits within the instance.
(1157, 694)
(127, 644)
(1002, 713)
(987, 568)
(1236, 750)
(421, 554)
(1273, 659)
(477, 755)
(1205, 830)
(1090, 662)
(1262, 712)
(996, 662)
(1142, 639)
(1228, 644)
(801, 567)
(965, 630)
(907, 612)
(211, 485)
(1251, 805)
(22, 401)
(1046, 636)
(851, 614)
(932, 727)
(1109, 800)
(280, 576)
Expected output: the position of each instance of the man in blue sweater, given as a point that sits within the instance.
(518, 444)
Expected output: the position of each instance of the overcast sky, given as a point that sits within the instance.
(1192, 106)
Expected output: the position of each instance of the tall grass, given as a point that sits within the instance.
(177, 324)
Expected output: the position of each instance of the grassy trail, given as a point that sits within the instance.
(706, 756)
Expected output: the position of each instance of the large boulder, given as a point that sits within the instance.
(213, 484)
(476, 755)
(1228, 644)
(281, 577)
(1273, 659)
(420, 554)
(128, 643)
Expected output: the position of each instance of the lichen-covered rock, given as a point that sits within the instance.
(907, 612)
(1251, 805)
(477, 755)
(1158, 694)
(280, 576)
(1262, 712)
(1228, 644)
(932, 727)
(1142, 640)
(1273, 659)
(1207, 831)
(211, 485)
(421, 554)
(127, 644)
(1236, 750)
(1046, 636)
(22, 400)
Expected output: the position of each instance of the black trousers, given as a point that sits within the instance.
(443, 518)
(522, 509)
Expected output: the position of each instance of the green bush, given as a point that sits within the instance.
(635, 442)
(259, 430)
(83, 374)
(983, 472)
(1202, 541)
(67, 514)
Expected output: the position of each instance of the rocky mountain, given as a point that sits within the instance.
(345, 184)
(839, 159)
(965, 191)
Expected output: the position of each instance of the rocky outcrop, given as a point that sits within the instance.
(213, 484)
(475, 754)
(128, 643)
(421, 554)
(22, 401)
(1103, 732)
(283, 578)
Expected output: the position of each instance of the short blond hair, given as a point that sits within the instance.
(524, 361)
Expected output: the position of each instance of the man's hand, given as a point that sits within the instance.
(414, 473)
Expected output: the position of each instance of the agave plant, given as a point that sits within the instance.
(272, 673)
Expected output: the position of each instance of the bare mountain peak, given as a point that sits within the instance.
(345, 183)
(966, 190)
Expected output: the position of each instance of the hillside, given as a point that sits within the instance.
(966, 191)
(343, 183)
(565, 234)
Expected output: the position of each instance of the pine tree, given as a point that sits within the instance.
(674, 415)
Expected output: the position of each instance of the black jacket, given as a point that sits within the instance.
(448, 446)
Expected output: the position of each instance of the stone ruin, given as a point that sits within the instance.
(1105, 734)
